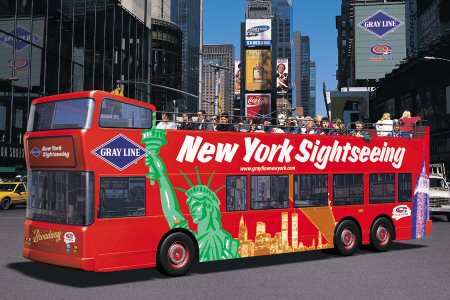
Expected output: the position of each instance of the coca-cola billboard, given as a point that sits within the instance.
(257, 105)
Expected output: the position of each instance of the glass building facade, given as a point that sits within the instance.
(51, 47)
(186, 14)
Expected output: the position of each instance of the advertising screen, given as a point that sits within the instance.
(237, 77)
(380, 39)
(257, 105)
(258, 70)
(282, 75)
(258, 32)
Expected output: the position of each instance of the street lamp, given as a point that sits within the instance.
(436, 58)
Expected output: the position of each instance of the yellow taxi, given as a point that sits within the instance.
(12, 193)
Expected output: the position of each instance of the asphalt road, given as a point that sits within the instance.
(418, 269)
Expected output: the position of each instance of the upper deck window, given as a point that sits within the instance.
(63, 114)
(118, 114)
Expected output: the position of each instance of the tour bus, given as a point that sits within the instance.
(109, 191)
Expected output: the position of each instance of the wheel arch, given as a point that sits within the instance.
(349, 219)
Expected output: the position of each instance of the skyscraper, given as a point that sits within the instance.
(222, 55)
(312, 88)
(303, 74)
(186, 14)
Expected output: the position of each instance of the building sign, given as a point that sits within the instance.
(282, 75)
(258, 32)
(11, 152)
(257, 105)
(380, 23)
(380, 39)
(24, 35)
(258, 70)
(51, 152)
(120, 152)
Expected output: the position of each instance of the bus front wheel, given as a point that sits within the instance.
(347, 238)
(381, 234)
(176, 254)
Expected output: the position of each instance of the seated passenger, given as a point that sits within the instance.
(360, 132)
(325, 127)
(187, 122)
(225, 124)
(166, 123)
(291, 126)
(309, 126)
(267, 125)
(397, 132)
(339, 127)
(384, 126)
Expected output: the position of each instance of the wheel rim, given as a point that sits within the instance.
(178, 254)
(383, 235)
(348, 238)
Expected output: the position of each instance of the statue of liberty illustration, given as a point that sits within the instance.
(214, 242)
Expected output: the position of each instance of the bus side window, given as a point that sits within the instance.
(310, 190)
(405, 187)
(122, 197)
(236, 193)
(269, 192)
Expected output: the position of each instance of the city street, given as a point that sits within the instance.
(416, 269)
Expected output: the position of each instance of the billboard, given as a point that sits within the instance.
(257, 105)
(258, 32)
(282, 75)
(350, 106)
(237, 77)
(258, 75)
(380, 39)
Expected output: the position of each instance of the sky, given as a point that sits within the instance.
(315, 18)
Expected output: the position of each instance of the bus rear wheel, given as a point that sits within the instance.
(176, 254)
(381, 234)
(347, 238)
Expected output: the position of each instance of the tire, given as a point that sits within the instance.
(381, 234)
(347, 238)
(176, 254)
(6, 203)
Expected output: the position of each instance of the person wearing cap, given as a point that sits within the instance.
(291, 126)
(360, 132)
(397, 132)
(325, 128)
(309, 127)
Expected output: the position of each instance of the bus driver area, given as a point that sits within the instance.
(135, 196)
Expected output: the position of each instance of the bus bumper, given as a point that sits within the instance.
(86, 264)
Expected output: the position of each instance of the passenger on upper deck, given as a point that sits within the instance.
(360, 132)
(187, 122)
(384, 126)
(397, 132)
(201, 123)
(224, 124)
(166, 123)
(407, 122)
(309, 126)
(325, 127)
(291, 126)
(339, 127)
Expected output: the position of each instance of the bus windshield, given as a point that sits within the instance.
(65, 114)
(61, 197)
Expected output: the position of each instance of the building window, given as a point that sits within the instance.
(122, 197)
(310, 190)
(348, 189)
(382, 188)
(236, 193)
(269, 192)
(405, 187)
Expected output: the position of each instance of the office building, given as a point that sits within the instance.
(302, 64)
(186, 14)
(222, 55)
(312, 88)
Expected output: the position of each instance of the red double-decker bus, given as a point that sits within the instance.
(109, 191)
